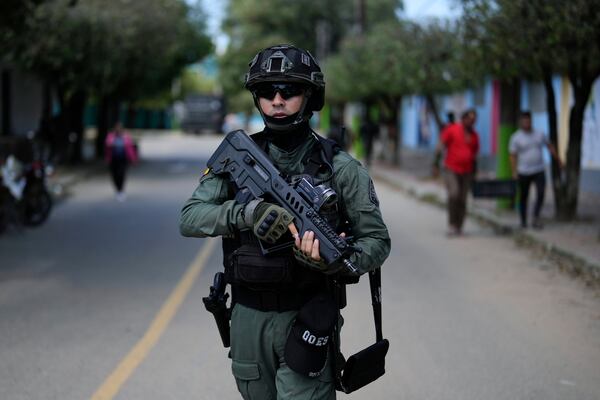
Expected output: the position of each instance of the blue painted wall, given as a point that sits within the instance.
(419, 131)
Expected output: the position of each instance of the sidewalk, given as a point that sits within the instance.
(65, 176)
(574, 246)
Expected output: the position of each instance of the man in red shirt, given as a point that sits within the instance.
(462, 145)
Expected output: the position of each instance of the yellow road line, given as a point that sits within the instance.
(138, 353)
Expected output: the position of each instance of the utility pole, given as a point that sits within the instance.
(361, 17)
(6, 111)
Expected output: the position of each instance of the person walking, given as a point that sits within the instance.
(119, 152)
(526, 158)
(461, 143)
(369, 131)
(281, 298)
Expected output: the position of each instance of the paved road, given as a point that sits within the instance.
(102, 302)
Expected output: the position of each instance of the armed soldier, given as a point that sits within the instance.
(285, 298)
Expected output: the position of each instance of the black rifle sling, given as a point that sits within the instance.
(260, 139)
(339, 360)
(321, 156)
(375, 284)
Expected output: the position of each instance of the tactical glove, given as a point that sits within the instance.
(269, 221)
(318, 265)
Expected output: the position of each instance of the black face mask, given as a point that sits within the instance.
(291, 138)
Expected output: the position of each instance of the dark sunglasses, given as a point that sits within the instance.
(286, 90)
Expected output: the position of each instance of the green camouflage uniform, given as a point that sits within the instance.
(257, 337)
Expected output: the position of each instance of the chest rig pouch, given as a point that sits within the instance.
(253, 269)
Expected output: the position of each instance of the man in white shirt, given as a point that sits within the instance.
(527, 162)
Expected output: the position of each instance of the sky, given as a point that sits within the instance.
(417, 9)
(413, 9)
(215, 10)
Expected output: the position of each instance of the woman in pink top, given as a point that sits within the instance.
(119, 152)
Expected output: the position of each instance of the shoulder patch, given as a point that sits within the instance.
(205, 175)
(372, 194)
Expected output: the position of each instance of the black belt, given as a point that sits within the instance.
(288, 300)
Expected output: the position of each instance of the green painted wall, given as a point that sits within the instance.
(503, 169)
(356, 140)
(325, 119)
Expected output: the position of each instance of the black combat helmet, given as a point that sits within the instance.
(287, 63)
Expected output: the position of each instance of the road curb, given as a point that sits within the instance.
(565, 259)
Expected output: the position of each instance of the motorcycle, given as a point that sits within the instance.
(24, 197)
(37, 201)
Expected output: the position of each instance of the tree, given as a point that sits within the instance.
(394, 59)
(535, 39)
(316, 26)
(253, 25)
(13, 17)
(193, 82)
(109, 51)
(374, 69)
(436, 48)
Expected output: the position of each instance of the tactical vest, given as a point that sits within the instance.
(276, 281)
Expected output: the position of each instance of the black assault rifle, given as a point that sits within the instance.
(250, 168)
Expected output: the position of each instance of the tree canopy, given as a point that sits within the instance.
(371, 66)
(316, 26)
(394, 59)
(127, 48)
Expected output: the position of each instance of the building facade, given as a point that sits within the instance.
(420, 132)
